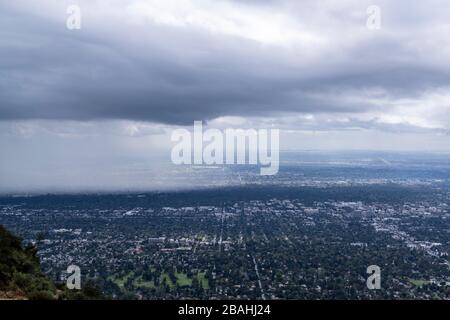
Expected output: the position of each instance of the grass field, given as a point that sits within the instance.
(202, 280)
(141, 283)
(120, 281)
(182, 280)
(419, 283)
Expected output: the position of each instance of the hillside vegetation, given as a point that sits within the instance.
(21, 276)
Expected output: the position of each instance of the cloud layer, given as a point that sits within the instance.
(177, 61)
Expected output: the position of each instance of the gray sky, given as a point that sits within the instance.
(112, 91)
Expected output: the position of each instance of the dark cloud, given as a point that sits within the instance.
(170, 74)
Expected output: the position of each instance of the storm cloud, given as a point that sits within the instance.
(177, 61)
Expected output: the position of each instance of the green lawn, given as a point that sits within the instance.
(165, 276)
(202, 280)
(141, 283)
(182, 279)
(419, 283)
(120, 281)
